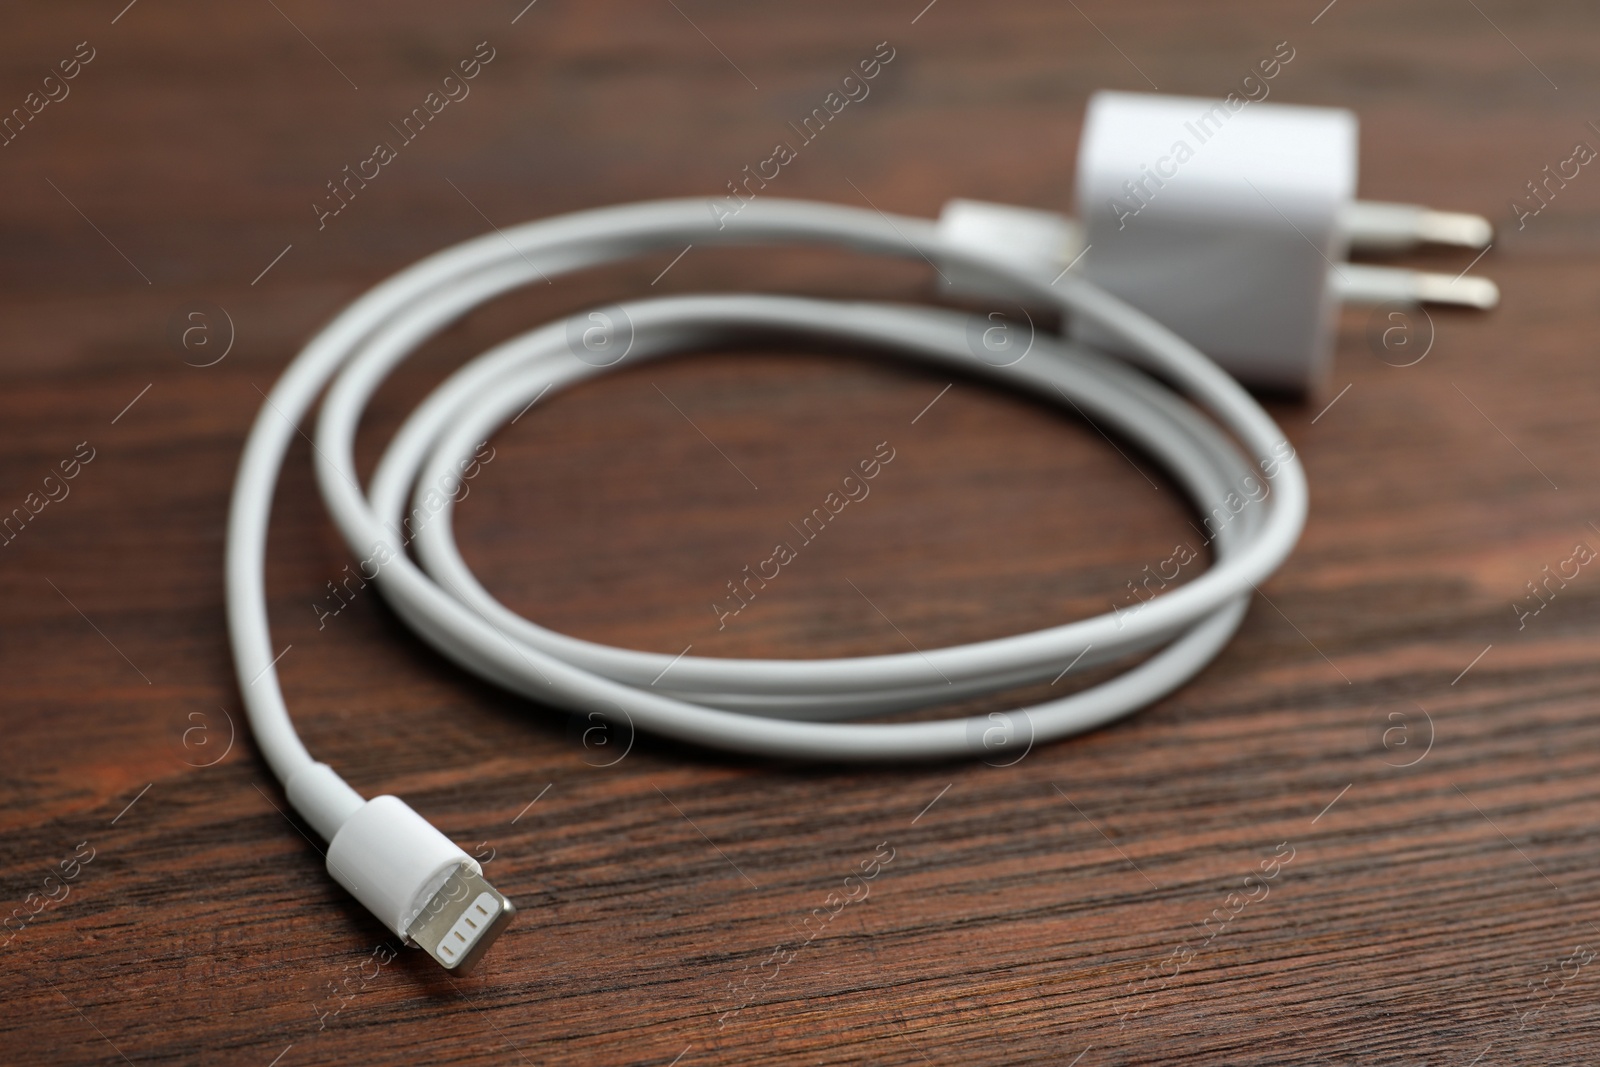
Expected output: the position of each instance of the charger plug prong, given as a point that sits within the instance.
(1357, 283)
(1371, 226)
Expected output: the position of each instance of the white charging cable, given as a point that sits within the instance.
(415, 879)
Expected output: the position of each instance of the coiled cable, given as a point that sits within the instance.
(772, 708)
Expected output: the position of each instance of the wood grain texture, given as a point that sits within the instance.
(1441, 820)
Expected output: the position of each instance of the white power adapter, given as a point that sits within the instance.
(1227, 221)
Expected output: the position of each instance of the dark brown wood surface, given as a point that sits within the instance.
(1418, 773)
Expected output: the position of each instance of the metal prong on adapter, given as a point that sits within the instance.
(1371, 226)
(460, 921)
(1360, 284)
(1462, 290)
(1455, 228)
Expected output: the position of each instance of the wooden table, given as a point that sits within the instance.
(1415, 769)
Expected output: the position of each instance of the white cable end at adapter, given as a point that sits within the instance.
(417, 881)
(1041, 242)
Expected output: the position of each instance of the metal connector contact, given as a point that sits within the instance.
(460, 921)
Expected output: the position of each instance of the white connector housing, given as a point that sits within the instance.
(1223, 222)
(393, 860)
(1042, 242)
(413, 878)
